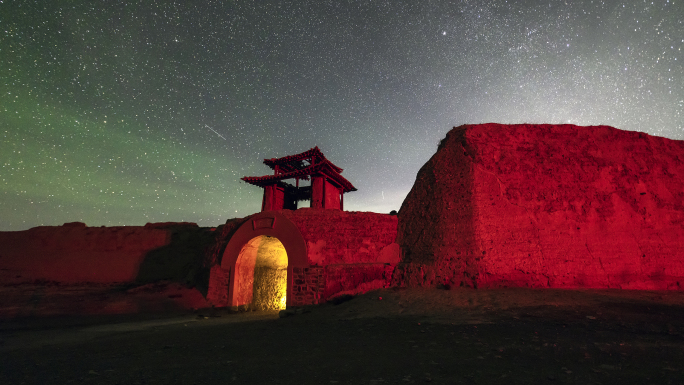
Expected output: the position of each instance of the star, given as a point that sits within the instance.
(97, 98)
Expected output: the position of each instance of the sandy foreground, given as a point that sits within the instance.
(389, 336)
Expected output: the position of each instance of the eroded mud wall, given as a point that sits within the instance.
(77, 254)
(547, 206)
(74, 253)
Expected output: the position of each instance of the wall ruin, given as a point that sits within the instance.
(496, 206)
(546, 206)
(336, 253)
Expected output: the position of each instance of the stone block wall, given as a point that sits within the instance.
(217, 292)
(270, 286)
(308, 284)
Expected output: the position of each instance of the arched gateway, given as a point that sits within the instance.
(255, 251)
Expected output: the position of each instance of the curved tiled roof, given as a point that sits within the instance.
(322, 167)
(296, 162)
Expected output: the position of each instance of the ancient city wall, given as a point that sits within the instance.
(74, 253)
(546, 206)
(556, 206)
(341, 253)
(77, 254)
(352, 252)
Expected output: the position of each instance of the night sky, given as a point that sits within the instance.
(122, 113)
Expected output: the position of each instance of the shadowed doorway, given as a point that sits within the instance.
(261, 273)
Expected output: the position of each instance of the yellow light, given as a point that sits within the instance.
(270, 274)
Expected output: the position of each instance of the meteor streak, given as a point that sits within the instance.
(220, 136)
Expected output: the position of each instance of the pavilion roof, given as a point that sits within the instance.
(321, 166)
(300, 161)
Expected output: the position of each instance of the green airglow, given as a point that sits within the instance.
(108, 172)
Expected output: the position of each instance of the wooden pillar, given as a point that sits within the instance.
(317, 191)
(263, 200)
(268, 198)
(332, 196)
(274, 198)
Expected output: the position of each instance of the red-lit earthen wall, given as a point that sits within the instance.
(75, 254)
(546, 206)
(343, 253)
(330, 252)
(355, 251)
(74, 269)
(497, 205)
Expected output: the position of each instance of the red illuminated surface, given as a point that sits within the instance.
(328, 252)
(240, 257)
(546, 206)
(497, 206)
(325, 192)
(74, 253)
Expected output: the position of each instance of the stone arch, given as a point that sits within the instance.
(272, 224)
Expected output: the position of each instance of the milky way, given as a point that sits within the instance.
(122, 113)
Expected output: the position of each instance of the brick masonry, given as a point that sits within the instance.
(308, 284)
(217, 292)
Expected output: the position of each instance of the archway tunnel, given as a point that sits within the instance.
(261, 273)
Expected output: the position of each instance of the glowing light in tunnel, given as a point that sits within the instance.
(263, 274)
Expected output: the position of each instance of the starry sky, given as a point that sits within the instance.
(127, 112)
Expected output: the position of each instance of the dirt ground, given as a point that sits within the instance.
(389, 336)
